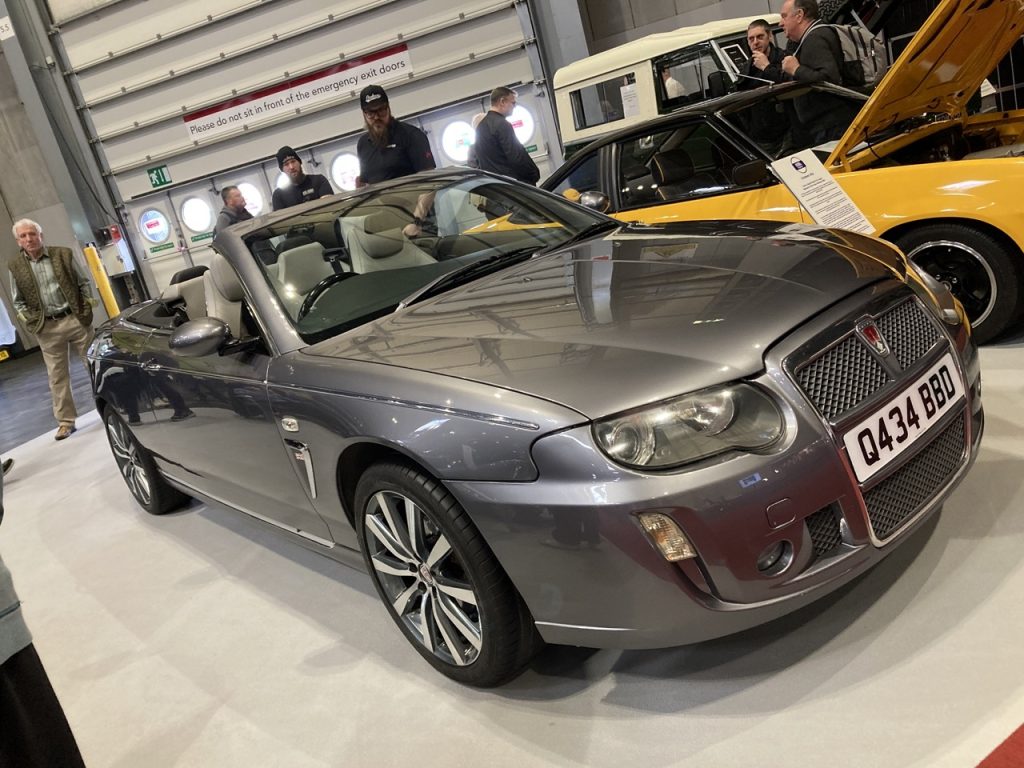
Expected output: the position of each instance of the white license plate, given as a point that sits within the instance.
(892, 429)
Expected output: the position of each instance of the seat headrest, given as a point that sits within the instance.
(188, 273)
(671, 166)
(292, 241)
(225, 280)
(386, 219)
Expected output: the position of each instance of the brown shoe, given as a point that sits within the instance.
(64, 431)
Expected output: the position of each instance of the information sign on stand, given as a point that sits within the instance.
(819, 193)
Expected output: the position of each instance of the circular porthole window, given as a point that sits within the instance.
(345, 170)
(522, 123)
(197, 214)
(154, 226)
(253, 198)
(456, 139)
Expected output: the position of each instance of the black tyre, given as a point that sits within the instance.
(138, 469)
(438, 578)
(976, 267)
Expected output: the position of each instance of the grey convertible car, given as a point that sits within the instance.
(531, 422)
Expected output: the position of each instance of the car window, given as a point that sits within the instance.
(771, 120)
(689, 76)
(602, 102)
(349, 261)
(581, 178)
(689, 160)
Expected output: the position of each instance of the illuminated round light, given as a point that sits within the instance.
(283, 181)
(456, 139)
(197, 214)
(253, 198)
(522, 123)
(344, 170)
(154, 226)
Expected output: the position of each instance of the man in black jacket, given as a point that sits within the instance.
(814, 55)
(302, 187)
(767, 121)
(497, 148)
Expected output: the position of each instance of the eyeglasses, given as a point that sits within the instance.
(377, 111)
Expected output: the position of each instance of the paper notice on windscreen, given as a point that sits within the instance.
(630, 100)
(819, 193)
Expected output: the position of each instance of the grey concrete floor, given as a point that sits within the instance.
(201, 639)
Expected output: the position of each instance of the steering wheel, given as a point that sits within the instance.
(318, 291)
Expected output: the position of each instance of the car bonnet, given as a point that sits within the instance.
(941, 68)
(632, 318)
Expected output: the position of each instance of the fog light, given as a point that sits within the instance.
(775, 558)
(666, 536)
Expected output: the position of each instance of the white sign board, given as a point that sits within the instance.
(630, 100)
(819, 193)
(6, 30)
(298, 94)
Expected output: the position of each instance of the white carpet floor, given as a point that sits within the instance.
(201, 639)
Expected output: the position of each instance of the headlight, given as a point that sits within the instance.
(950, 310)
(692, 427)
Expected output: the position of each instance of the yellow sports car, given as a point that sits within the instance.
(941, 183)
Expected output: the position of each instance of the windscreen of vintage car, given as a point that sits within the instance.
(773, 120)
(338, 266)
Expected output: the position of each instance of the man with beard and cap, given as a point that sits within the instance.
(302, 187)
(389, 149)
(233, 211)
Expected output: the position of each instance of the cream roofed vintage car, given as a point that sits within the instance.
(623, 86)
(943, 184)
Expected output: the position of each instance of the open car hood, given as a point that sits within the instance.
(941, 68)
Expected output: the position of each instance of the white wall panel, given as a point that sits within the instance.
(319, 49)
(125, 26)
(317, 128)
(141, 66)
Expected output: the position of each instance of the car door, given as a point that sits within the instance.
(216, 433)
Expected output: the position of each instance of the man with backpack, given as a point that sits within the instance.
(814, 55)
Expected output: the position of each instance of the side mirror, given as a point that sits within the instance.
(749, 174)
(200, 337)
(596, 200)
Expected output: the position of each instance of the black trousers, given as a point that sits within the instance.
(34, 733)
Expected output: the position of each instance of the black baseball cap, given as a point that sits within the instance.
(373, 97)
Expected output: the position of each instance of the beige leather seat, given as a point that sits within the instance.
(191, 294)
(377, 242)
(302, 267)
(224, 294)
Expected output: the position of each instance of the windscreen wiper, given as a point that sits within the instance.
(467, 273)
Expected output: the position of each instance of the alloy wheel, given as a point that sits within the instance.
(128, 457)
(423, 578)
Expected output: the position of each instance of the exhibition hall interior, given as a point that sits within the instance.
(526, 383)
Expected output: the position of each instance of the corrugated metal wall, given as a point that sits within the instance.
(205, 91)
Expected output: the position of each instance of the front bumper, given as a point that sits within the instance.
(572, 545)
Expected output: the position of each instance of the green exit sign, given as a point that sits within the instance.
(159, 176)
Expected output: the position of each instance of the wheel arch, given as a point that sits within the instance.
(356, 459)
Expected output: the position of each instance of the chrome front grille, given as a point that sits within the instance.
(847, 373)
(900, 496)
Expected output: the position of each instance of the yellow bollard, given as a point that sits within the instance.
(92, 258)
